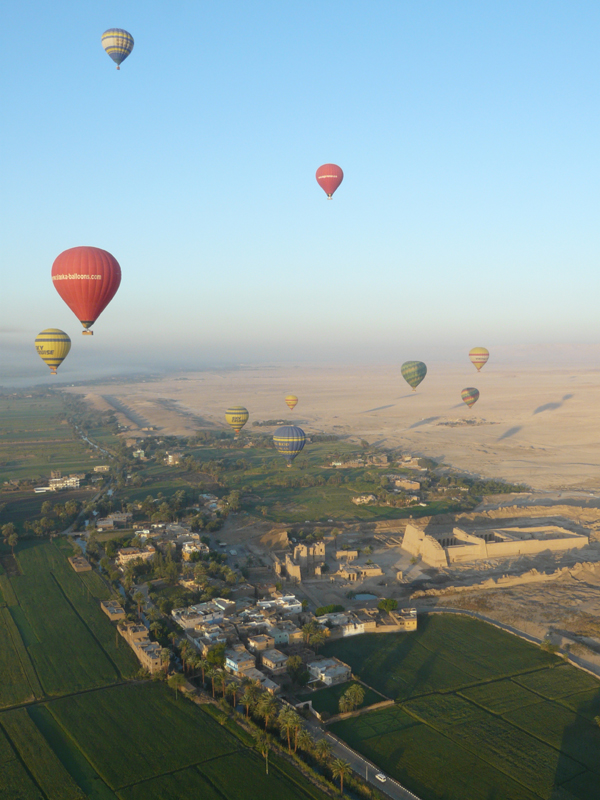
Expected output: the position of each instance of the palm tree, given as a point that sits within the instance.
(203, 666)
(249, 697)
(261, 742)
(138, 598)
(356, 695)
(232, 690)
(322, 750)
(296, 722)
(186, 652)
(165, 655)
(340, 769)
(176, 681)
(305, 741)
(222, 677)
(286, 725)
(211, 674)
(266, 707)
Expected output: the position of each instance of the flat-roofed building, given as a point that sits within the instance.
(329, 671)
(238, 660)
(112, 609)
(128, 554)
(260, 642)
(274, 661)
(80, 564)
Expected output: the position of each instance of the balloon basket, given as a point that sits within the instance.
(87, 333)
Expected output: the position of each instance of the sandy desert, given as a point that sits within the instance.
(534, 426)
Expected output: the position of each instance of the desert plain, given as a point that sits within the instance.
(532, 425)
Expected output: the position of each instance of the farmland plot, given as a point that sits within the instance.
(66, 656)
(14, 780)
(14, 684)
(169, 734)
(38, 756)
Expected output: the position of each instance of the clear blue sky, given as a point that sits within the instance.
(469, 134)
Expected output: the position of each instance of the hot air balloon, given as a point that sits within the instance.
(329, 177)
(87, 279)
(479, 356)
(118, 44)
(413, 373)
(292, 401)
(237, 417)
(53, 347)
(289, 441)
(470, 396)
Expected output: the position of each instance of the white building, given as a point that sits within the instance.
(128, 554)
(329, 671)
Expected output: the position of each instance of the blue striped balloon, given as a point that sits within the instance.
(289, 441)
(118, 44)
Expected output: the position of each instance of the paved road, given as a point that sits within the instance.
(366, 769)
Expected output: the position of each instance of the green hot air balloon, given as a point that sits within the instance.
(413, 373)
(470, 396)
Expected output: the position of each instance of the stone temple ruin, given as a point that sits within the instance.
(444, 548)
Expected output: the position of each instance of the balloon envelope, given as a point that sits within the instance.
(413, 372)
(292, 401)
(87, 279)
(289, 441)
(237, 417)
(118, 44)
(52, 347)
(470, 396)
(329, 177)
(479, 356)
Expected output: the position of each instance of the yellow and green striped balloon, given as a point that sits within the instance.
(470, 396)
(53, 347)
(237, 417)
(413, 373)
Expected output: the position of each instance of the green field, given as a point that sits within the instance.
(328, 699)
(480, 714)
(35, 437)
(135, 742)
(54, 637)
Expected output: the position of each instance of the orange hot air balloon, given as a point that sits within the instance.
(479, 357)
(87, 279)
(292, 401)
(329, 177)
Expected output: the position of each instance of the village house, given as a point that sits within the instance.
(188, 550)
(80, 564)
(329, 671)
(238, 660)
(149, 654)
(113, 610)
(102, 468)
(260, 642)
(128, 554)
(274, 661)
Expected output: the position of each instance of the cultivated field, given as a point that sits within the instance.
(53, 635)
(480, 714)
(84, 742)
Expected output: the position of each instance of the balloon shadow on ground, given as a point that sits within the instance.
(406, 396)
(423, 422)
(552, 406)
(510, 432)
(379, 408)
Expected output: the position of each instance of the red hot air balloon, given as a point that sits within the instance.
(329, 177)
(87, 279)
